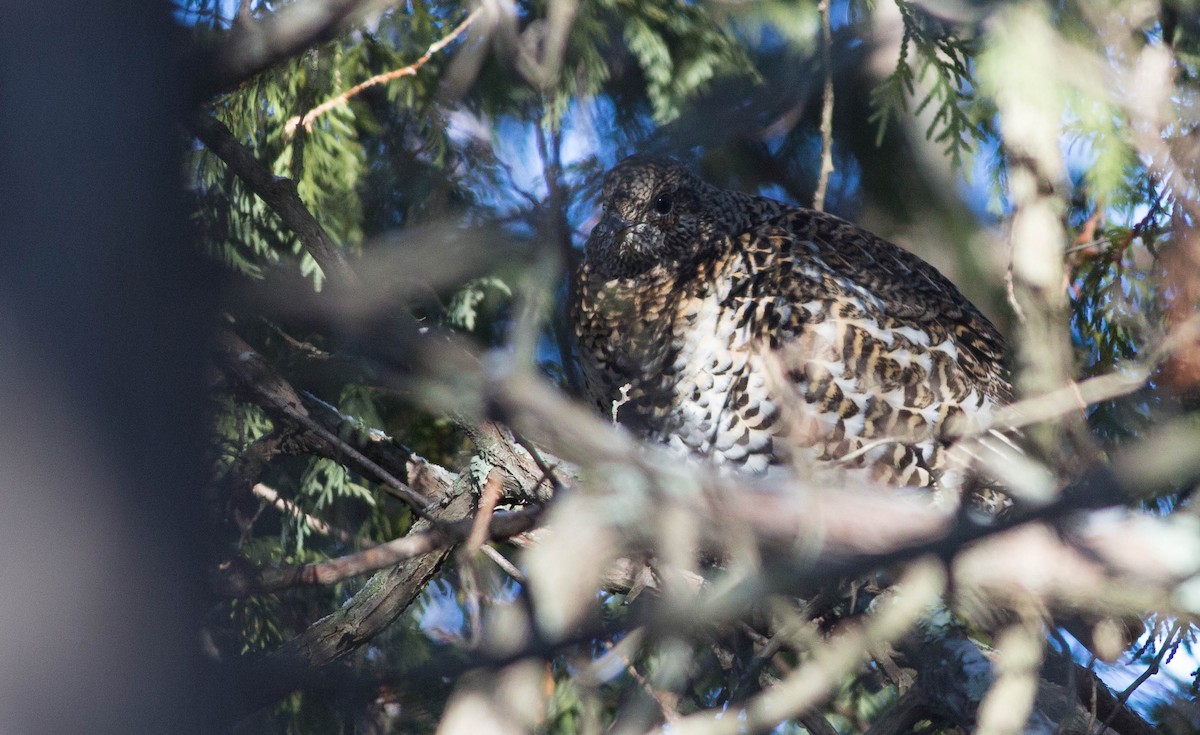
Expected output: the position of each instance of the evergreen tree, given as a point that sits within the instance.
(400, 193)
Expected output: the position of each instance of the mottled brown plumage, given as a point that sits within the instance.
(756, 334)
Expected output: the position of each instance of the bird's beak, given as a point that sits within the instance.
(612, 225)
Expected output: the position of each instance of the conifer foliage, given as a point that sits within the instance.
(418, 526)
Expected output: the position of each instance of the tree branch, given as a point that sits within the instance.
(480, 531)
(404, 71)
(236, 581)
(1123, 698)
(287, 507)
(253, 46)
(1096, 696)
(826, 107)
(305, 659)
(813, 682)
(280, 195)
(250, 374)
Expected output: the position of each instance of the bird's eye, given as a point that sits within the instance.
(662, 204)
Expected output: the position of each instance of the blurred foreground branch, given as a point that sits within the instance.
(805, 539)
(253, 46)
(815, 680)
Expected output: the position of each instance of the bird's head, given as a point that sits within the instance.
(655, 211)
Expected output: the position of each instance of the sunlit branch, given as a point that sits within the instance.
(826, 107)
(404, 71)
(1078, 396)
(287, 507)
(1006, 707)
(236, 581)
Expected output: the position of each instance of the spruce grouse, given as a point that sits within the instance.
(757, 334)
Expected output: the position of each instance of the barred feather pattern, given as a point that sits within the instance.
(755, 335)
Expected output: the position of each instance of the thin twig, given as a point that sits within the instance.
(509, 568)
(548, 472)
(826, 107)
(1012, 696)
(1093, 390)
(1151, 670)
(1010, 292)
(416, 500)
(489, 495)
(253, 375)
(289, 128)
(312, 522)
(621, 653)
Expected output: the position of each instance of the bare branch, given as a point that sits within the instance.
(314, 524)
(381, 600)
(1078, 396)
(404, 71)
(1095, 695)
(509, 568)
(488, 497)
(235, 581)
(1151, 670)
(826, 107)
(384, 597)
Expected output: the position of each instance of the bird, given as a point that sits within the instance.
(757, 336)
